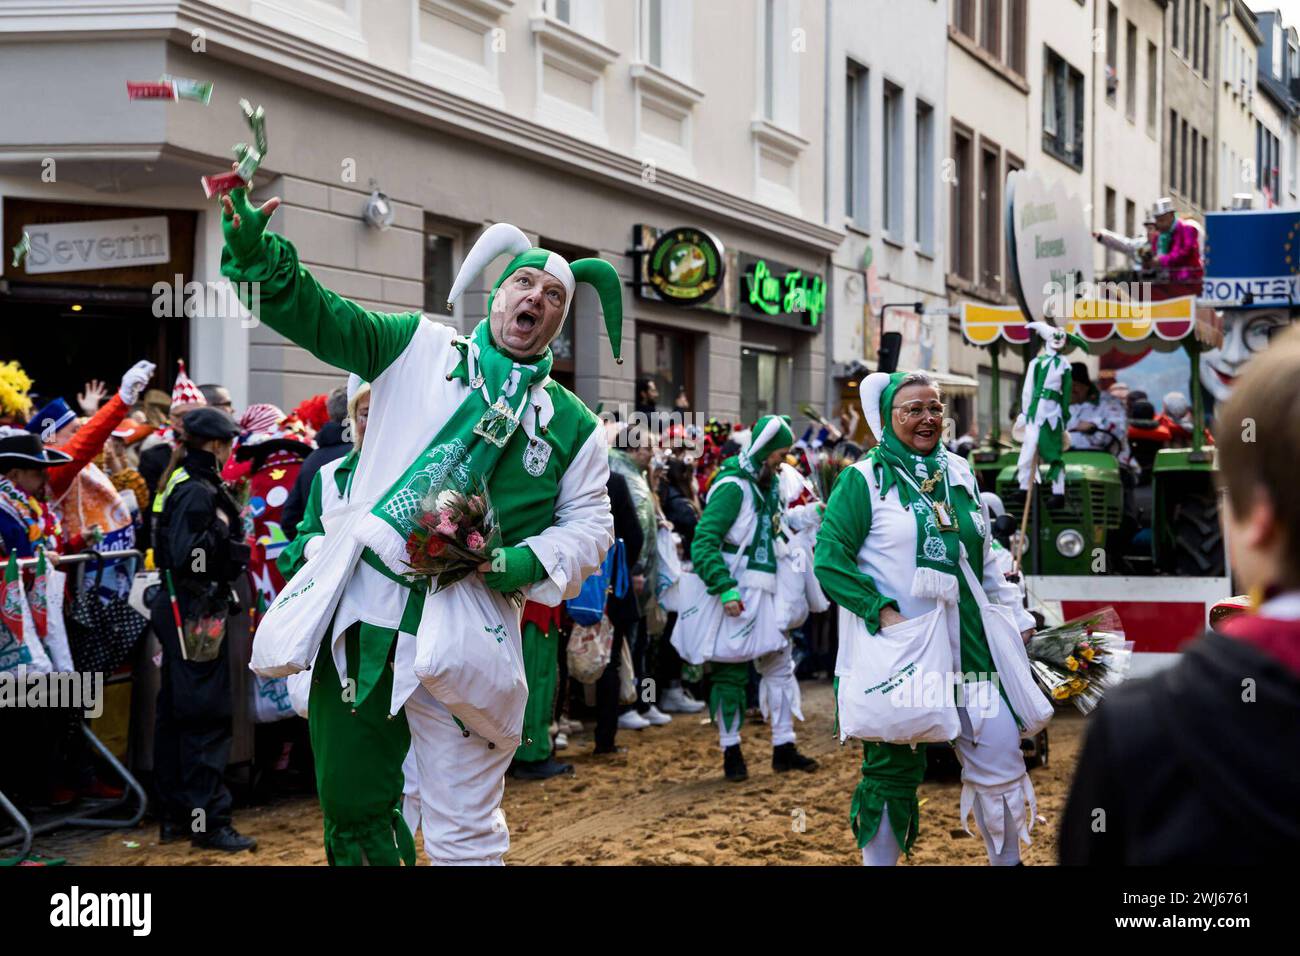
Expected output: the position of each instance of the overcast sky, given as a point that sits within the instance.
(1290, 10)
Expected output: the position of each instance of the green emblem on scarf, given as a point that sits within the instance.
(469, 444)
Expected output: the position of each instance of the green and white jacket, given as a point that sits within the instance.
(556, 504)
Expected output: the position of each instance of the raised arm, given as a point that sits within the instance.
(845, 525)
(271, 283)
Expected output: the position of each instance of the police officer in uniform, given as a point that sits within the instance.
(198, 545)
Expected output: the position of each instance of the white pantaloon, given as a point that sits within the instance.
(993, 783)
(411, 791)
(461, 780)
(778, 693)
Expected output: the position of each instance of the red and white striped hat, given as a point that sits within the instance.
(185, 392)
(261, 417)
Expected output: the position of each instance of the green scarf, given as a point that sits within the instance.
(461, 451)
(769, 433)
(937, 550)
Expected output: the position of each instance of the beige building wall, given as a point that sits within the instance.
(1126, 134)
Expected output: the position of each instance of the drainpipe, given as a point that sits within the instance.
(828, 329)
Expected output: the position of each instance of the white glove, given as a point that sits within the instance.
(134, 381)
(313, 546)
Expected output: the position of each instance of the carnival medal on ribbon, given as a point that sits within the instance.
(498, 423)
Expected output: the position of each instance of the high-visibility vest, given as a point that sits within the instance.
(177, 476)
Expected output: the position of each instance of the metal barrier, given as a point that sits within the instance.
(90, 814)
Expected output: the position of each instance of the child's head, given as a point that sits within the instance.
(1258, 436)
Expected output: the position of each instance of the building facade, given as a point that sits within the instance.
(1127, 105)
(1236, 90)
(1190, 100)
(1274, 112)
(989, 137)
(886, 80)
(592, 125)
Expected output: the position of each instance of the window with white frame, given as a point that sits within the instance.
(924, 177)
(666, 36)
(779, 64)
(891, 141)
(1063, 109)
(585, 16)
(857, 165)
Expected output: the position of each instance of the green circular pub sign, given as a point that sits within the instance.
(686, 266)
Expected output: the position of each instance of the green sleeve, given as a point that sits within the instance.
(334, 329)
(293, 556)
(845, 525)
(720, 513)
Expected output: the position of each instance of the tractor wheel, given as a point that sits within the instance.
(1198, 536)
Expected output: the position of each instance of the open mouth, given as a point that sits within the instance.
(926, 431)
(527, 320)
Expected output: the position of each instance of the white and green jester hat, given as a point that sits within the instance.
(501, 238)
(1056, 339)
(768, 434)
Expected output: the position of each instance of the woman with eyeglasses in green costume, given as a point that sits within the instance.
(888, 551)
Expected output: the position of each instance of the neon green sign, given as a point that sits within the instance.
(792, 293)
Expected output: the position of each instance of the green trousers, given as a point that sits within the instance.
(890, 773)
(359, 751)
(542, 668)
(727, 691)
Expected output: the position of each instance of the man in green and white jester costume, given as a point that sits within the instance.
(888, 551)
(734, 554)
(1045, 402)
(440, 403)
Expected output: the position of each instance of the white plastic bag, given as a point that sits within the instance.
(1011, 659)
(469, 656)
(56, 631)
(271, 700)
(704, 632)
(670, 569)
(299, 685)
(813, 593)
(791, 594)
(590, 649)
(895, 686)
(290, 633)
(698, 614)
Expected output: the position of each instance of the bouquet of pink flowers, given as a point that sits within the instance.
(455, 532)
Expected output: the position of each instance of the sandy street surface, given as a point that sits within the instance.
(663, 802)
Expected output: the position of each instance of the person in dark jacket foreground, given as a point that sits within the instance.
(199, 548)
(1198, 764)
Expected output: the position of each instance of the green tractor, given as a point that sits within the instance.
(1150, 545)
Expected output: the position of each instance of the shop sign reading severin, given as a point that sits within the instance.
(99, 244)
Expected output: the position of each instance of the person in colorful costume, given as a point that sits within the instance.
(1043, 400)
(887, 551)
(27, 522)
(735, 555)
(442, 404)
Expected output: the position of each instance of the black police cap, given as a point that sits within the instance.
(209, 423)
